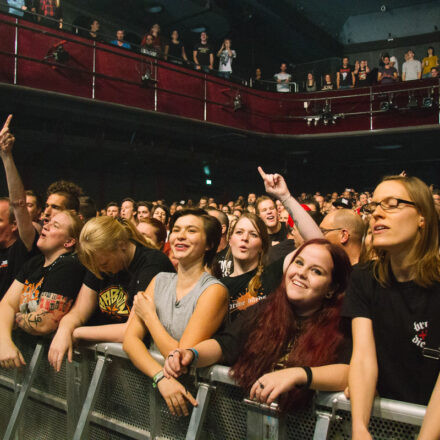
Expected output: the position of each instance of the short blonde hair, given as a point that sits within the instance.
(105, 234)
(423, 258)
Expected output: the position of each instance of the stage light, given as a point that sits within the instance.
(237, 102)
(412, 101)
(208, 181)
(385, 106)
(427, 102)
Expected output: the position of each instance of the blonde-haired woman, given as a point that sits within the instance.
(394, 303)
(45, 287)
(120, 265)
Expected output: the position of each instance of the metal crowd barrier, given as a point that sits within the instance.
(101, 395)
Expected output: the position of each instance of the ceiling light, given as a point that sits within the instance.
(199, 29)
(154, 9)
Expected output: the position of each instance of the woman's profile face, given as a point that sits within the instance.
(188, 238)
(394, 230)
(308, 279)
(245, 241)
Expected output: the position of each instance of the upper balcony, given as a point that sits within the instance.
(40, 58)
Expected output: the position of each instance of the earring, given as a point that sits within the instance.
(328, 295)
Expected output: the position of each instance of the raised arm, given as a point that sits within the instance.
(362, 376)
(276, 186)
(431, 425)
(10, 356)
(17, 194)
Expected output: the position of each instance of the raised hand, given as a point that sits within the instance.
(275, 185)
(7, 139)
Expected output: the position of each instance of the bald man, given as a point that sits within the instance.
(345, 228)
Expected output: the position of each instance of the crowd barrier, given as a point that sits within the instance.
(101, 395)
(42, 58)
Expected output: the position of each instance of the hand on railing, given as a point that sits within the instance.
(62, 343)
(177, 363)
(7, 139)
(10, 355)
(269, 386)
(176, 396)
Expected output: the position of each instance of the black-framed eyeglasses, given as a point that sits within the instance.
(326, 231)
(388, 204)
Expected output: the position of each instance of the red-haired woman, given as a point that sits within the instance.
(302, 315)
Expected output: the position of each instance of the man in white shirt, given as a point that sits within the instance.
(411, 68)
(283, 79)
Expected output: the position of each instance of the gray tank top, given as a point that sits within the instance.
(175, 315)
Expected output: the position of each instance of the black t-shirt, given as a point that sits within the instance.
(175, 50)
(236, 334)
(388, 75)
(225, 265)
(279, 236)
(239, 296)
(362, 78)
(63, 277)
(345, 78)
(400, 315)
(11, 261)
(203, 52)
(280, 250)
(116, 292)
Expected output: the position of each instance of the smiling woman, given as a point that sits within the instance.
(179, 309)
(310, 349)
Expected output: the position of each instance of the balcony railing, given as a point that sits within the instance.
(42, 58)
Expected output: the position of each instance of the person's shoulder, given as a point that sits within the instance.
(207, 280)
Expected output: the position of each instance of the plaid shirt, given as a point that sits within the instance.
(49, 8)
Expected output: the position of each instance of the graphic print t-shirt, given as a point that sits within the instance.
(116, 292)
(400, 317)
(63, 277)
(240, 298)
(345, 76)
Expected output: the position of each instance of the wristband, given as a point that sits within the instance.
(309, 374)
(196, 355)
(157, 378)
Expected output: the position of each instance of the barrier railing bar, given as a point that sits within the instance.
(383, 408)
(322, 426)
(119, 426)
(24, 392)
(92, 394)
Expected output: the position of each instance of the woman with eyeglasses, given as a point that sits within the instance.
(393, 301)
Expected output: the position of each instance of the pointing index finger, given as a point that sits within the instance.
(262, 173)
(8, 121)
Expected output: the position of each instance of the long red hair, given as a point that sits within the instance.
(316, 344)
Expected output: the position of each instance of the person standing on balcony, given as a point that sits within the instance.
(345, 75)
(202, 54)
(52, 12)
(120, 35)
(283, 79)
(17, 7)
(411, 69)
(387, 74)
(226, 55)
(429, 62)
(175, 50)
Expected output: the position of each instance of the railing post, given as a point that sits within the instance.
(92, 394)
(155, 85)
(371, 108)
(322, 426)
(94, 70)
(199, 412)
(76, 390)
(204, 97)
(24, 391)
(16, 52)
(264, 422)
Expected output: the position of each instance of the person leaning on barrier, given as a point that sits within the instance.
(180, 309)
(119, 265)
(44, 289)
(394, 304)
(270, 345)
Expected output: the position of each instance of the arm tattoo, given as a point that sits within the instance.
(30, 321)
